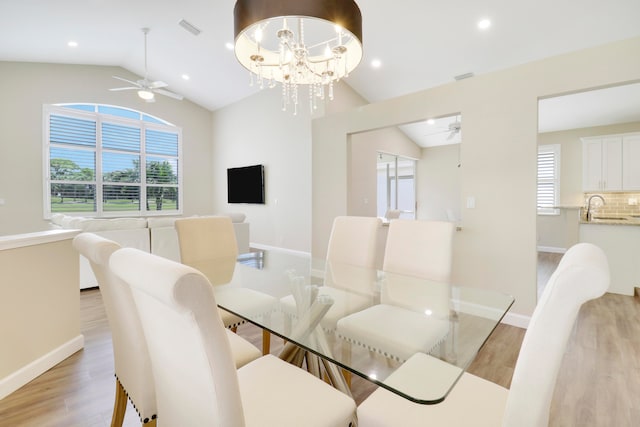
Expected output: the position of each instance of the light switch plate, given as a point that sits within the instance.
(471, 202)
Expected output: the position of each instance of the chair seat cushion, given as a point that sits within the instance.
(277, 394)
(392, 331)
(245, 300)
(473, 401)
(243, 351)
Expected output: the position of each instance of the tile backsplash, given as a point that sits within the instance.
(615, 204)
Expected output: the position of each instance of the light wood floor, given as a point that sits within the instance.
(599, 383)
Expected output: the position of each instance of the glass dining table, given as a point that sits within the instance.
(414, 337)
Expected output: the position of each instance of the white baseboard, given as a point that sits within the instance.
(518, 320)
(14, 381)
(552, 249)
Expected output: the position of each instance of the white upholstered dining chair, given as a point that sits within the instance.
(196, 382)
(582, 275)
(350, 273)
(209, 245)
(398, 327)
(131, 356)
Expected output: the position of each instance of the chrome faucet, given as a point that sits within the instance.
(589, 213)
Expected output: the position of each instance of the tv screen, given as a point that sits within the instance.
(245, 184)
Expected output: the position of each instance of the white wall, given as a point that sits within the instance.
(497, 247)
(561, 231)
(439, 182)
(362, 160)
(25, 87)
(256, 131)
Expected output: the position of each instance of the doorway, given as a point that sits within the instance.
(396, 186)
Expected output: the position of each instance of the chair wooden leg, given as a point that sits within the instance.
(266, 342)
(151, 423)
(119, 406)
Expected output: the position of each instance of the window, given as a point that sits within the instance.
(548, 194)
(396, 185)
(93, 157)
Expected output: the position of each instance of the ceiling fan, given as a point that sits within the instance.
(145, 87)
(453, 129)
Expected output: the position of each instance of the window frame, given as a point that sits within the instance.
(99, 119)
(555, 150)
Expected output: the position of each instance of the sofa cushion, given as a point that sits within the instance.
(164, 221)
(95, 224)
(236, 216)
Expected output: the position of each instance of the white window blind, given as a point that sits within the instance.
(548, 192)
(93, 158)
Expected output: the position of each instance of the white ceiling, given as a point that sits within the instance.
(620, 104)
(421, 44)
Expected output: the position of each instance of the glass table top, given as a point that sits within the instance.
(412, 336)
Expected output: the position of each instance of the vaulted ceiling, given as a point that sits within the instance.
(420, 44)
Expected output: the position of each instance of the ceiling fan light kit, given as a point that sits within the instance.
(298, 42)
(146, 88)
(146, 95)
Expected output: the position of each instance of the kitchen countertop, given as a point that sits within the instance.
(613, 220)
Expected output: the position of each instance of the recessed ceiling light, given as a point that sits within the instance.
(431, 122)
(72, 44)
(229, 45)
(376, 63)
(483, 24)
(185, 77)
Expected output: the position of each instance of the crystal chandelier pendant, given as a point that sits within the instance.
(298, 42)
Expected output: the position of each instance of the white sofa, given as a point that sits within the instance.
(154, 234)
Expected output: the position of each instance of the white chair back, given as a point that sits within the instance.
(195, 375)
(582, 275)
(351, 254)
(421, 249)
(131, 356)
(353, 240)
(209, 245)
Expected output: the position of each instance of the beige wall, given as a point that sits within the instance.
(438, 174)
(497, 247)
(561, 231)
(362, 163)
(39, 307)
(25, 87)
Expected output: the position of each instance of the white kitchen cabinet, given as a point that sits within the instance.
(631, 162)
(602, 163)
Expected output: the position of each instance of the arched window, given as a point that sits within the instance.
(93, 157)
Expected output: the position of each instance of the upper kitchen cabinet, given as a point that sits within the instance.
(611, 163)
(631, 162)
(602, 163)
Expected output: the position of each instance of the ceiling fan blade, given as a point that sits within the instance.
(124, 88)
(169, 94)
(157, 84)
(128, 81)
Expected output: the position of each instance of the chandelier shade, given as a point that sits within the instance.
(298, 42)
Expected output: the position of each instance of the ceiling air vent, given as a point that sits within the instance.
(463, 76)
(189, 27)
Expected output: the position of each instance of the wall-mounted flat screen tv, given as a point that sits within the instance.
(245, 184)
